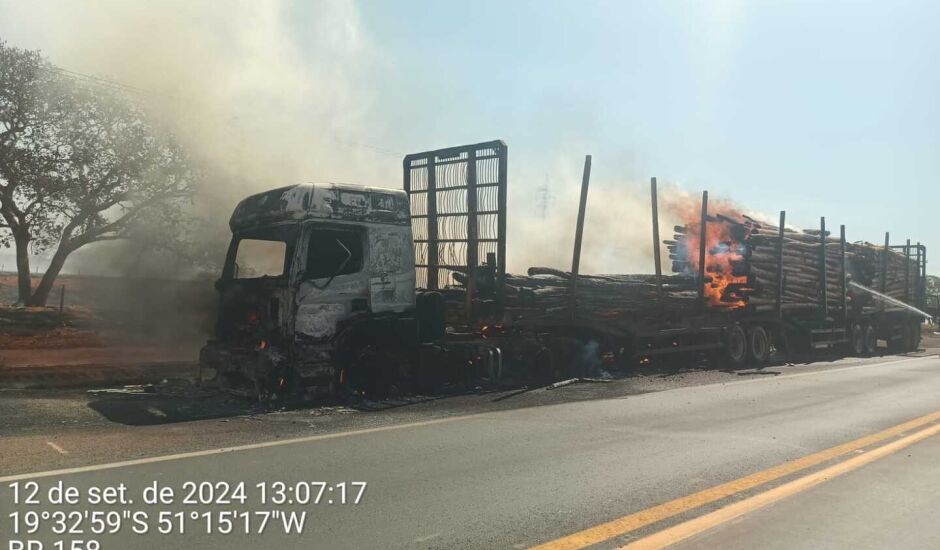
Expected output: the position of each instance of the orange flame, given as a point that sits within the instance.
(721, 249)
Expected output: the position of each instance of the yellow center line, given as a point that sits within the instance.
(643, 518)
(703, 523)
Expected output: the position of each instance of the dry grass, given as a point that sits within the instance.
(46, 328)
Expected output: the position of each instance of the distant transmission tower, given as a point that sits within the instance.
(544, 197)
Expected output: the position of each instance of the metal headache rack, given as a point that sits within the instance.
(458, 213)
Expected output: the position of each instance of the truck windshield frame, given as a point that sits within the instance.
(281, 233)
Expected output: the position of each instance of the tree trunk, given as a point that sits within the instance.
(41, 295)
(23, 276)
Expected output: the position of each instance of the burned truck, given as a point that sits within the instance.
(318, 277)
(332, 287)
(342, 288)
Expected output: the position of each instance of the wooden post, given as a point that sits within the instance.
(703, 236)
(473, 245)
(579, 232)
(844, 283)
(824, 283)
(783, 221)
(656, 251)
(907, 271)
(61, 300)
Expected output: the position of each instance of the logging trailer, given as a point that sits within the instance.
(333, 287)
(836, 313)
(840, 314)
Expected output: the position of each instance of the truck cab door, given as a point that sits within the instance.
(331, 276)
(391, 269)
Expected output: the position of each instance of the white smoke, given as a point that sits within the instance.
(261, 97)
(265, 96)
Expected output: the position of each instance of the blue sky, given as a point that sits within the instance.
(820, 108)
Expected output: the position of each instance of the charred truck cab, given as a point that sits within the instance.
(318, 290)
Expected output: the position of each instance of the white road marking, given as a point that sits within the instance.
(210, 452)
(337, 435)
(156, 412)
(813, 373)
(58, 449)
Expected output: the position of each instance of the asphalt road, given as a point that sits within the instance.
(891, 503)
(525, 476)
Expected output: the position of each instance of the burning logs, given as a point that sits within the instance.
(744, 259)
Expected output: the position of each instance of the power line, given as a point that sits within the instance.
(101, 81)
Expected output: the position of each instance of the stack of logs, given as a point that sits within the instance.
(895, 274)
(742, 263)
(545, 294)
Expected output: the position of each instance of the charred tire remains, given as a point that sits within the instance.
(735, 346)
(857, 340)
(759, 345)
(915, 337)
(870, 340)
(903, 340)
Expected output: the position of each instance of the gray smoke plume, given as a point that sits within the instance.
(231, 81)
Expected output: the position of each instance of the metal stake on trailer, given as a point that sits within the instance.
(822, 271)
(501, 199)
(473, 244)
(923, 275)
(433, 260)
(844, 299)
(701, 250)
(579, 231)
(884, 265)
(907, 271)
(919, 289)
(656, 252)
(783, 221)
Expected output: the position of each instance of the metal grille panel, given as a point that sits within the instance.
(458, 210)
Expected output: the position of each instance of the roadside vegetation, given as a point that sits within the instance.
(80, 163)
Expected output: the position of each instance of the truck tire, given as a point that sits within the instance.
(430, 311)
(870, 340)
(759, 345)
(735, 347)
(904, 342)
(857, 340)
(915, 336)
(544, 364)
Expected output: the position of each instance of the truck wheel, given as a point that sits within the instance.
(857, 340)
(544, 364)
(870, 341)
(735, 346)
(759, 345)
(904, 342)
(915, 337)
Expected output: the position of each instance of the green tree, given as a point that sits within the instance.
(79, 163)
(933, 285)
